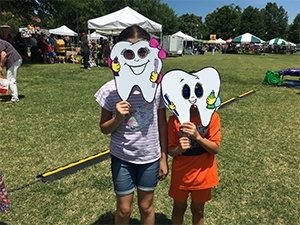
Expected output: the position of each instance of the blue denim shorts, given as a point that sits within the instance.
(128, 176)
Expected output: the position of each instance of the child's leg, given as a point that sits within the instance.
(12, 79)
(124, 209)
(197, 210)
(180, 198)
(197, 206)
(179, 208)
(146, 183)
(145, 202)
(122, 174)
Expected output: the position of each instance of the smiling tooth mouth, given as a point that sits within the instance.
(138, 70)
(193, 102)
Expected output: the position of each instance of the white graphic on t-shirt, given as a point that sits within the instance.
(140, 118)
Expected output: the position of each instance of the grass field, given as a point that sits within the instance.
(56, 122)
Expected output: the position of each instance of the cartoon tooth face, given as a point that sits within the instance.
(181, 90)
(136, 64)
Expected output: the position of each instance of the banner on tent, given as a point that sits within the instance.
(213, 37)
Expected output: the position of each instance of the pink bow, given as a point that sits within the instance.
(155, 44)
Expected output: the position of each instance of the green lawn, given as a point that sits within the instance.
(56, 122)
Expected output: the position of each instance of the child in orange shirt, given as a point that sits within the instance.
(194, 166)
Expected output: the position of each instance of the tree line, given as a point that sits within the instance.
(227, 21)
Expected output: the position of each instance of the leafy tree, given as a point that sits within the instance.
(17, 13)
(114, 5)
(168, 18)
(224, 21)
(73, 14)
(192, 25)
(252, 22)
(294, 30)
(276, 21)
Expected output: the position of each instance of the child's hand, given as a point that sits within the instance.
(1, 73)
(122, 109)
(184, 144)
(190, 130)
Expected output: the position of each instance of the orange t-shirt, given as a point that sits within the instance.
(199, 171)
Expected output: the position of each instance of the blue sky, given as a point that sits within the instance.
(203, 7)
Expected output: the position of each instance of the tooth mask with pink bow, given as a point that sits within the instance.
(137, 64)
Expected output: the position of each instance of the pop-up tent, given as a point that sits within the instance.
(277, 41)
(184, 36)
(217, 41)
(229, 40)
(96, 36)
(114, 23)
(247, 38)
(63, 31)
(291, 44)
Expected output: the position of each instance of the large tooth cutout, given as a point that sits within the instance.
(181, 90)
(135, 63)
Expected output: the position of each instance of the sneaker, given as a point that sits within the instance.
(14, 100)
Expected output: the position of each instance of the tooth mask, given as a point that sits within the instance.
(181, 90)
(137, 64)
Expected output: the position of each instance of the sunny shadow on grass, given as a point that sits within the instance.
(56, 122)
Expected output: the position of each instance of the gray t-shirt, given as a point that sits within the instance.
(136, 140)
(12, 54)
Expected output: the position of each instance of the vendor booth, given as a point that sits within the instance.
(187, 42)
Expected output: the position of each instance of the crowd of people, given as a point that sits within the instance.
(42, 48)
(95, 52)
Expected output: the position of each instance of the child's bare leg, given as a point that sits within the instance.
(124, 209)
(178, 212)
(145, 202)
(197, 210)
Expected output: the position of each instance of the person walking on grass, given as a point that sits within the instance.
(85, 50)
(194, 166)
(138, 147)
(10, 58)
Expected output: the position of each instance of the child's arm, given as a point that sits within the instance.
(162, 128)
(108, 122)
(3, 59)
(191, 130)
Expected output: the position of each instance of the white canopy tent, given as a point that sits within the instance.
(184, 36)
(96, 36)
(217, 41)
(63, 31)
(114, 23)
(221, 41)
(291, 44)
